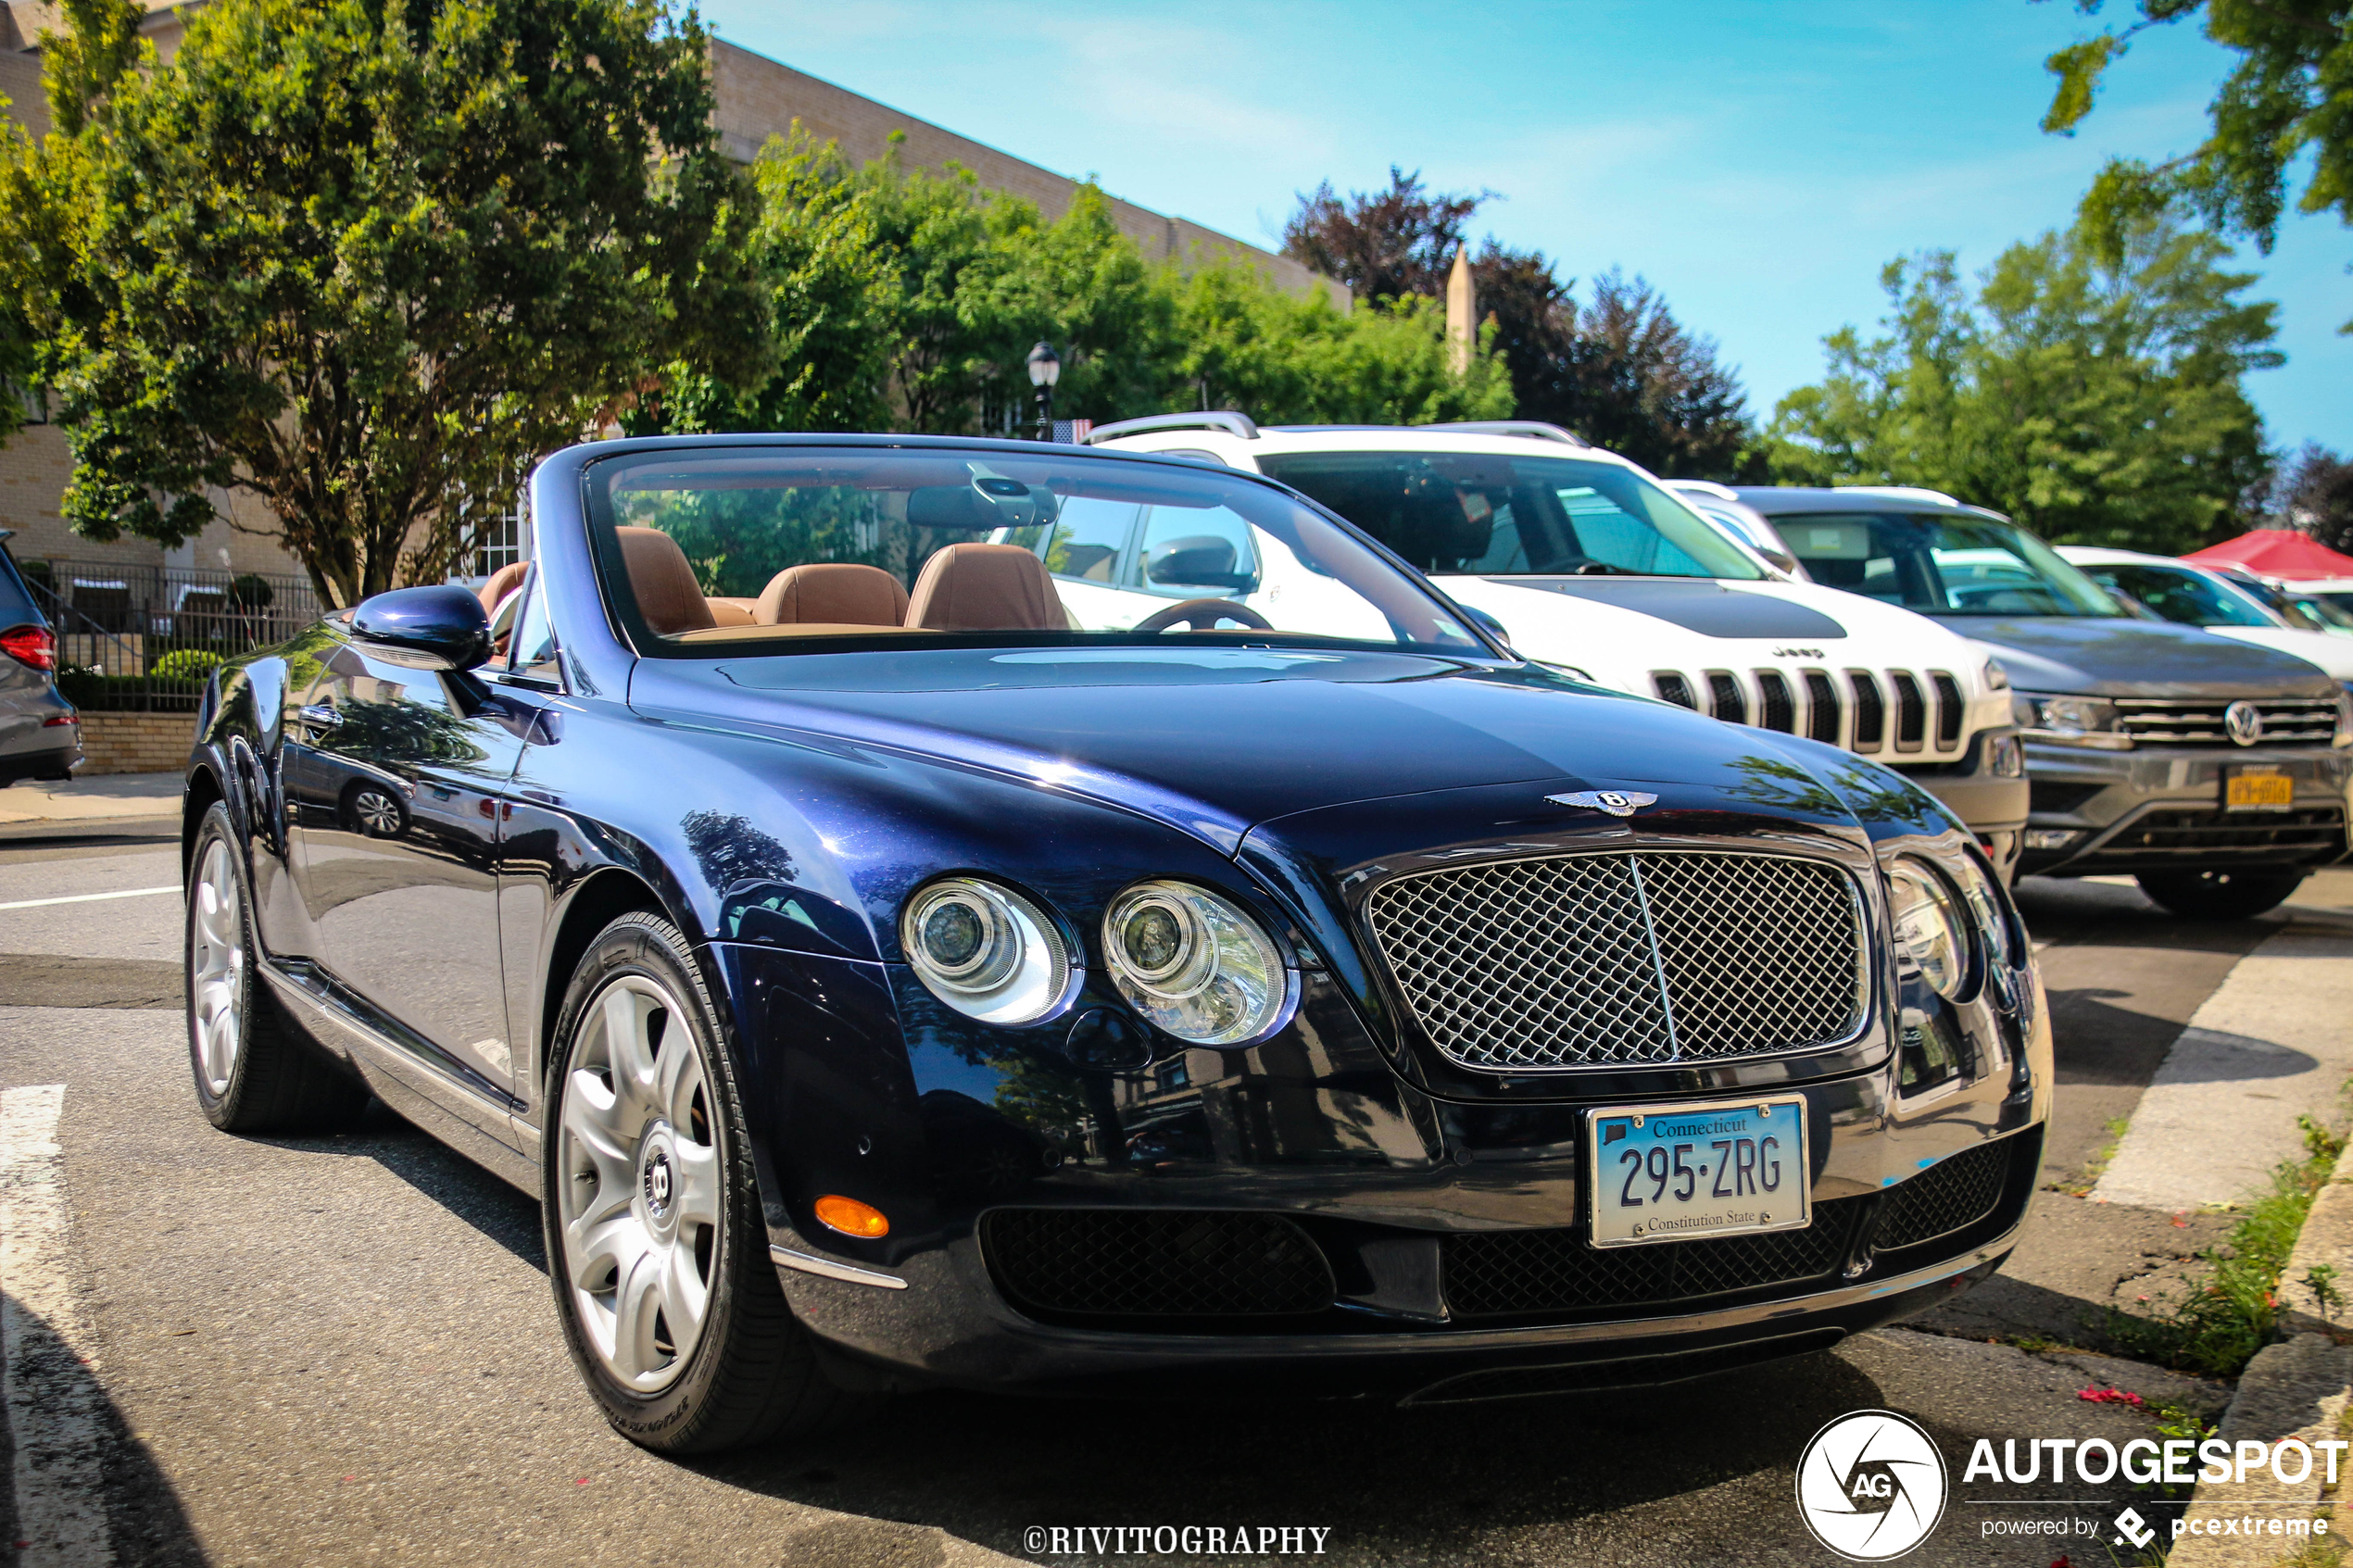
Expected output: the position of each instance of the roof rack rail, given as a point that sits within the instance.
(1535, 429)
(1226, 419)
(1903, 493)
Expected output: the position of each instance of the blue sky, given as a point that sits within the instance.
(1757, 159)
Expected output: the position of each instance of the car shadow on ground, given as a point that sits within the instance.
(1419, 1480)
(498, 1212)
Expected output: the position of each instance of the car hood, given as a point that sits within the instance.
(2090, 656)
(2332, 653)
(1564, 618)
(1215, 740)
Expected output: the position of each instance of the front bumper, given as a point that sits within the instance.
(1393, 1192)
(2161, 809)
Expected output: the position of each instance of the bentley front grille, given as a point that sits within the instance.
(1629, 958)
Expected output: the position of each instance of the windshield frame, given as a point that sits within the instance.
(635, 638)
(2260, 616)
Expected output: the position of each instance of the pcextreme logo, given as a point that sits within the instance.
(1870, 1486)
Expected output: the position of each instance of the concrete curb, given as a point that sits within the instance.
(2299, 1388)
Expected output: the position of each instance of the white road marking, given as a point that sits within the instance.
(51, 1356)
(91, 897)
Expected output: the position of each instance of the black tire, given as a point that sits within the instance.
(752, 1373)
(281, 1081)
(2221, 895)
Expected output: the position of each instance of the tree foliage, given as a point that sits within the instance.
(2313, 491)
(910, 299)
(1622, 372)
(2092, 395)
(2291, 93)
(368, 262)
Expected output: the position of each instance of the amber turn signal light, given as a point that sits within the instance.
(851, 1217)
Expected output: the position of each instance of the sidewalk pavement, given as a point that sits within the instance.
(107, 797)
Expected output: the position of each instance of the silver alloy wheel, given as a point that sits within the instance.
(378, 814)
(216, 969)
(640, 1172)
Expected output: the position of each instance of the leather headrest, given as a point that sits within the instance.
(668, 595)
(503, 582)
(856, 595)
(985, 588)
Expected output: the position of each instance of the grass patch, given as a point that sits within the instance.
(2080, 1184)
(2215, 1325)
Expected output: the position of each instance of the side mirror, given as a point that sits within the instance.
(438, 628)
(1485, 623)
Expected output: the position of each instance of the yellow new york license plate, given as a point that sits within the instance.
(2268, 790)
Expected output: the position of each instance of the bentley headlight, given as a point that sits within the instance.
(1194, 965)
(1930, 924)
(985, 950)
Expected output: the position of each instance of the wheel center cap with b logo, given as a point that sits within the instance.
(657, 1174)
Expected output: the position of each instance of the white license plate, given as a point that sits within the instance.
(1677, 1172)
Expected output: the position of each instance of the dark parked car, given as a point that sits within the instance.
(40, 733)
(883, 987)
(2213, 771)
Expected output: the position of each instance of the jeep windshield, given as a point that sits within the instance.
(1941, 565)
(722, 551)
(1494, 516)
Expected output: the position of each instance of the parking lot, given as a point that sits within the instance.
(343, 1350)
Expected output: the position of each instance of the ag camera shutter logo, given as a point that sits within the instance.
(1870, 1486)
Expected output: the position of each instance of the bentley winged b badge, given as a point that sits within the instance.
(1617, 802)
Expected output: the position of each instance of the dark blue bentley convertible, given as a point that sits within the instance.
(925, 911)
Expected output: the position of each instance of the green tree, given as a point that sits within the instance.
(2290, 94)
(2093, 393)
(366, 263)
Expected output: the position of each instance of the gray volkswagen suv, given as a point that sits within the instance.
(2214, 772)
(40, 733)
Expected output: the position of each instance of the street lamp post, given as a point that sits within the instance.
(1045, 370)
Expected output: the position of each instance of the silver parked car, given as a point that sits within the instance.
(40, 733)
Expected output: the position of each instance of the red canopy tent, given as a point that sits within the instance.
(2276, 552)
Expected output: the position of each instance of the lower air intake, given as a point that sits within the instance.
(1154, 1263)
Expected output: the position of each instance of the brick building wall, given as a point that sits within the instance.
(135, 742)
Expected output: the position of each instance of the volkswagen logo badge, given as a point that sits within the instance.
(1617, 802)
(2244, 720)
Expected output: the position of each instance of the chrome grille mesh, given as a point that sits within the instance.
(1625, 958)
(2287, 721)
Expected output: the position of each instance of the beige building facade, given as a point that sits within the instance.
(757, 98)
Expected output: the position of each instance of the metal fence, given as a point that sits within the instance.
(142, 639)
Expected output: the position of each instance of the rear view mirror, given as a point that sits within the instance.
(988, 502)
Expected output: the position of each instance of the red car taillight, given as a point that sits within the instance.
(35, 646)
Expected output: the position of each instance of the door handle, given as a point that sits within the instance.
(320, 715)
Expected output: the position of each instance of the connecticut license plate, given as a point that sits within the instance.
(2258, 789)
(1673, 1172)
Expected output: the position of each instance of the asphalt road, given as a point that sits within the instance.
(343, 1350)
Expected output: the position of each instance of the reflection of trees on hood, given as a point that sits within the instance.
(405, 732)
(729, 849)
(1040, 1093)
(1783, 785)
(1880, 793)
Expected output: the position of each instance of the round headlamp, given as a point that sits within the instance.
(1930, 924)
(985, 950)
(1194, 965)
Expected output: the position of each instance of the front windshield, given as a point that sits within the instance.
(1941, 565)
(2174, 593)
(1498, 516)
(712, 552)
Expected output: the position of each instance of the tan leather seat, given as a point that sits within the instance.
(985, 588)
(833, 591)
(733, 612)
(667, 594)
(503, 582)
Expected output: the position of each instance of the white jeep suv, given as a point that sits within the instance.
(1588, 564)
